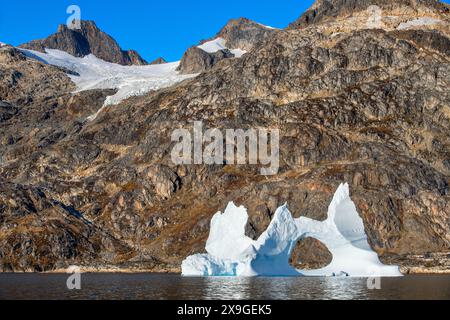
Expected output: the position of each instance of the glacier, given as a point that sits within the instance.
(231, 253)
(91, 73)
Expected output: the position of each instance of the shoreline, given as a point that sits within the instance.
(410, 271)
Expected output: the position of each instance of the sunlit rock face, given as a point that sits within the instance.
(232, 253)
(89, 39)
(363, 105)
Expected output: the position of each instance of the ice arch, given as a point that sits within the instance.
(231, 253)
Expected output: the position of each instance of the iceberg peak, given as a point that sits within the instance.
(227, 239)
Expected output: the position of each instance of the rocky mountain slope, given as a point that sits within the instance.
(345, 15)
(367, 106)
(87, 40)
(236, 37)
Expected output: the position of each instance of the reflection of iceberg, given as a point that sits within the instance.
(231, 253)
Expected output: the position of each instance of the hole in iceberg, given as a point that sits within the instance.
(309, 254)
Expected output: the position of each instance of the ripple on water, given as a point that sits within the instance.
(158, 287)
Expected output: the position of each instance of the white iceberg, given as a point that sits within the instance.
(231, 253)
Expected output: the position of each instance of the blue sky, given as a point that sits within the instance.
(153, 28)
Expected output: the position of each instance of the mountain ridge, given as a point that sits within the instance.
(363, 106)
(87, 40)
(324, 10)
(240, 34)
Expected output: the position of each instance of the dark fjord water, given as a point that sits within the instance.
(156, 287)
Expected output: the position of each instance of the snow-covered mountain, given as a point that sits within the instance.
(89, 39)
(91, 72)
(235, 39)
(96, 61)
(347, 15)
(363, 105)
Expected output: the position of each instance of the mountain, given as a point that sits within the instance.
(91, 73)
(160, 60)
(87, 40)
(236, 38)
(197, 60)
(333, 11)
(367, 106)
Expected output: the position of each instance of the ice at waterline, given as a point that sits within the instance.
(232, 253)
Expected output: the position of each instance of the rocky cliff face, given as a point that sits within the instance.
(87, 40)
(364, 106)
(160, 60)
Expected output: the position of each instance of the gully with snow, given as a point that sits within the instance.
(232, 253)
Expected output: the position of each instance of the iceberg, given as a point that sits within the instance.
(231, 253)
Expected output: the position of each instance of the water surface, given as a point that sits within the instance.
(175, 287)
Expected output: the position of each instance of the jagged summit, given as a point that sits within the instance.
(244, 33)
(160, 60)
(323, 10)
(89, 39)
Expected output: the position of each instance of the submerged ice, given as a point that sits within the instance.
(231, 253)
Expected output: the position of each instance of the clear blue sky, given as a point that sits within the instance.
(153, 28)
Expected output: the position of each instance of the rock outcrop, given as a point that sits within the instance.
(87, 40)
(244, 34)
(364, 106)
(357, 14)
(196, 60)
(241, 34)
(160, 60)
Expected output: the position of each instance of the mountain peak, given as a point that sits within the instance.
(323, 10)
(84, 24)
(89, 39)
(160, 60)
(244, 33)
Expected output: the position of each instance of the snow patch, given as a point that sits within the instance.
(220, 44)
(268, 27)
(2, 44)
(231, 253)
(94, 73)
(425, 21)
